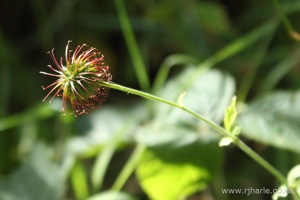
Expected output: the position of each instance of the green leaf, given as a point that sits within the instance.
(38, 178)
(274, 119)
(180, 100)
(178, 169)
(208, 93)
(182, 154)
(293, 178)
(229, 123)
(281, 192)
(79, 181)
(225, 141)
(110, 123)
(230, 115)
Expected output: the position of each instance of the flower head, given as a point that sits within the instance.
(79, 80)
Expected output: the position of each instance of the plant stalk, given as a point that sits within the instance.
(132, 46)
(129, 167)
(239, 143)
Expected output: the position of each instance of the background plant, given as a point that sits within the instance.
(68, 160)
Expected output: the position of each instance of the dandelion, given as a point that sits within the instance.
(79, 80)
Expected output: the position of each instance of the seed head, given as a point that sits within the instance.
(79, 80)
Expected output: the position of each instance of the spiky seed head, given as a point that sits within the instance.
(79, 77)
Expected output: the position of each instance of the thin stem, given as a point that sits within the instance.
(168, 63)
(231, 49)
(132, 46)
(218, 128)
(39, 112)
(129, 167)
(241, 43)
(292, 33)
(79, 182)
(257, 58)
(101, 164)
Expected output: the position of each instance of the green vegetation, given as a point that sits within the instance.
(205, 97)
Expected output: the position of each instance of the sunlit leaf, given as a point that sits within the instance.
(182, 153)
(178, 169)
(230, 115)
(225, 141)
(274, 119)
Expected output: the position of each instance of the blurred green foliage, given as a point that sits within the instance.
(44, 155)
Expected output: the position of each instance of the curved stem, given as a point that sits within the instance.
(168, 63)
(239, 143)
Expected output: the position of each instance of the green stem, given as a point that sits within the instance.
(240, 44)
(168, 63)
(101, 164)
(292, 33)
(231, 49)
(132, 46)
(256, 58)
(39, 112)
(79, 181)
(218, 128)
(129, 167)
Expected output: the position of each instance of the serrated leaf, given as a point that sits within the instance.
(274, 119)
(179, 167)
(208, 94)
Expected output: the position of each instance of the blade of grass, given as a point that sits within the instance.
(101, 165)
(132, 46)
(129, 167)
(79, 182)
(39, 112)
(228, 51)
(256, 60)
(167, 64)
(288, 26)
(240, 44)
(279, 71)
